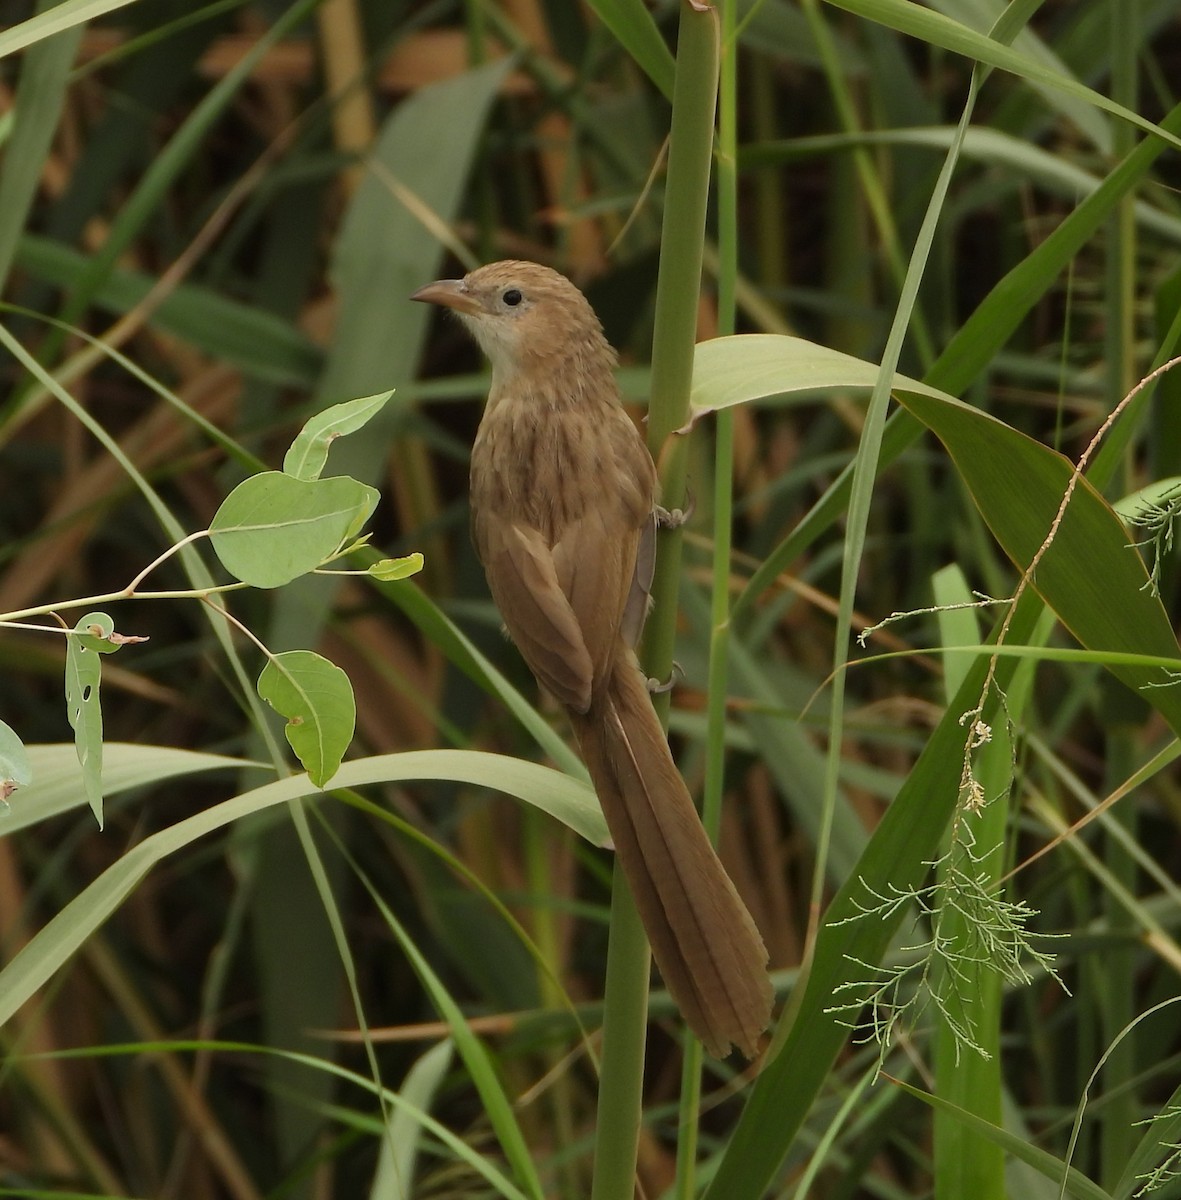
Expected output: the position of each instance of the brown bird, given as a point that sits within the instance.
(563, 519)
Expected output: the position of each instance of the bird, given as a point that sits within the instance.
(563, 511)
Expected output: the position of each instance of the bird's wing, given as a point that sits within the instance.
(559, 544)
(535, 607)
(639, 596)
(594, 561)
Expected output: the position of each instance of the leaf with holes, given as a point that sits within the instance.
(89, 639)
(317, 699)
(309, 451)
(272, 528)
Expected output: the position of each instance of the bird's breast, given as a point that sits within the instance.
(543, 465)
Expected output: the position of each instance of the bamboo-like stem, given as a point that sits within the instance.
(719, 640)
(1115, 1006)
(678, 286)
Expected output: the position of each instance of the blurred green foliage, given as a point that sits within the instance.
(211, 219)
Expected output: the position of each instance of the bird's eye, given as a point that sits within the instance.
(512, 297)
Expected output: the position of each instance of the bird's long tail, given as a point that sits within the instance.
(703, 939)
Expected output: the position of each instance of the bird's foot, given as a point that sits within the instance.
(658, 687)
(674, 518)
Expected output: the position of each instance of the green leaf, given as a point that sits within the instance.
(61, 17)
(755, 366)
(54, 769)
(261, 344)
(407, 1133)
(44, 79)
(316, 697)
(781, 31)
(983, 15)
(1132, 507)
(1075, 1183)
(992, 147)
(83, 676)
(272, 528)
(15, 771)
(937, 30)
(391, 569)
(1161, 1136)
(52, 945)
(101, 636)
(1090, 575)
(633, 26)
(309, 451)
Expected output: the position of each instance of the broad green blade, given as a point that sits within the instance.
(1089, 575)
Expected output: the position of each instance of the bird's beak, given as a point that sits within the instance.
(448, 293)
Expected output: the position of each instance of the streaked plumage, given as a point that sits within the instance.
(562, 493)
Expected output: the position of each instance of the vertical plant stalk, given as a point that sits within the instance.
(621, 1075)
(964, 1163)
(1116, 998)
(678, 285)
(354, 123)
(719, 641)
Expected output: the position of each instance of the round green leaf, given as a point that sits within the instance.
(94, 632)
(272, 528)
(317, 699)
(15, 771)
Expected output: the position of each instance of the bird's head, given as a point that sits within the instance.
(524, 316)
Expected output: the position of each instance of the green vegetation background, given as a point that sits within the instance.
(244, 987)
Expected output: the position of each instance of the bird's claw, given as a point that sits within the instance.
(658, 687)
(674, 518)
